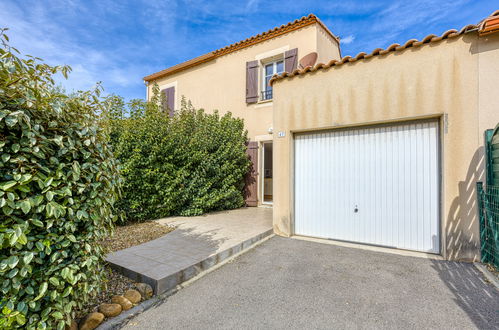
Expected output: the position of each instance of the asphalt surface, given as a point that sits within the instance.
(292, 284)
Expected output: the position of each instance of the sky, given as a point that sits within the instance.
(119, 42)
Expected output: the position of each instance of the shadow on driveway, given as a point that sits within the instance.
(470, 292)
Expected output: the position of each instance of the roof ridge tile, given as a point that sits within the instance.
(452, 33)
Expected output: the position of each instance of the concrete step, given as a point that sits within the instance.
(174, 258)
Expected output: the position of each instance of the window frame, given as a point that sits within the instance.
(263, 88)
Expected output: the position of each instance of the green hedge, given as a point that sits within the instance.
(189, 164)
(58, 184)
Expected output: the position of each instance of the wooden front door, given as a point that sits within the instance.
(251, 187)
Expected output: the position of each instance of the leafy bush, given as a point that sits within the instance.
(187, 164)
(58, 184)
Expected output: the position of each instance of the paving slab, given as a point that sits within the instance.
(196, 244)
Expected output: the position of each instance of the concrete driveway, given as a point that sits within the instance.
(288, 283)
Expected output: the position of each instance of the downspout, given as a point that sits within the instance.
(146, 83)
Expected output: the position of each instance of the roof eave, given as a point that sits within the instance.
(180, 67)
(321, 24)
(272, 33)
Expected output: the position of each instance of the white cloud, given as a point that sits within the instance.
(252, 5)
(348, 39)
(34, 31)
(402, 15)
(397, 22)
(119, 42)
(92, 36)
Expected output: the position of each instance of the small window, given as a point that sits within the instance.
(269, 70)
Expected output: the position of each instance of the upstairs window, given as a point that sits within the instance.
(260, 71)
(270, 69)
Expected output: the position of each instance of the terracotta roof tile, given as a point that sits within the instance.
(486, 26)
(490, 24)
(182, 66)
(285, 28)
(272, 33)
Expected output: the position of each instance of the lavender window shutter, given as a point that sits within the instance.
(291, 60)
(170, 100)
(252, 82)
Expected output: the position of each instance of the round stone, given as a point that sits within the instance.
(110, 310)
(122, 301)
(145, 290)
(92, 321)
(132, 295)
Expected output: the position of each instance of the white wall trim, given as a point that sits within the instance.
(264, 104)
(266, 137)
(271, 53)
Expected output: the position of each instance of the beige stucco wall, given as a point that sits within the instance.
(325, 52)
(488, 74)
(453, 80)
(221, 83)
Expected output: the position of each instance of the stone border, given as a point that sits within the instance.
(117, 321)
(126, 316)
(488, 275)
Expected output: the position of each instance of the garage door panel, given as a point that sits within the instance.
(389, 174)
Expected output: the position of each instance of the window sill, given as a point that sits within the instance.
(264, 104)
(265, 101)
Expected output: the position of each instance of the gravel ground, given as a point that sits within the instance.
(493, 270)
(135, 234)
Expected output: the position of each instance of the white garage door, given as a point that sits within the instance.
(376, 185)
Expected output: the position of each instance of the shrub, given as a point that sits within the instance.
(188, 164)
(58, 184)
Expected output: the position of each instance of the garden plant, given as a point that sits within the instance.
(58, 184)
(188, 164)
